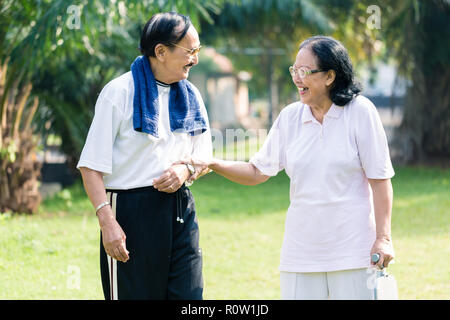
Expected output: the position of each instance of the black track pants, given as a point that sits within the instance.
(165, 257)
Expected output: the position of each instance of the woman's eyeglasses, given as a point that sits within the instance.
(192, 52)
(302, 72)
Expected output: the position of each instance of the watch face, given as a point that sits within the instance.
(190, 168)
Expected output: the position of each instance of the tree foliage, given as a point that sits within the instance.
(62, 52)
(261, 37)
(412, 33)
(55, 56)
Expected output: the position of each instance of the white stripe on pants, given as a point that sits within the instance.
(336, 285)
(112, 263)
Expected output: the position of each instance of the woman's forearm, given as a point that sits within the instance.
(238, 171)
(382, 200)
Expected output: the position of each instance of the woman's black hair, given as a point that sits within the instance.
(332, 55)
(166, 28)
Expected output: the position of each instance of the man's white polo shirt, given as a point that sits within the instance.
(330, 222)
(130, 159)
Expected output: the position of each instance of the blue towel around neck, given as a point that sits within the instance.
(184, 109)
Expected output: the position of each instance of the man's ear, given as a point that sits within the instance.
(160, 52)
(331, 76)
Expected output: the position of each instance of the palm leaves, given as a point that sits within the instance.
(62, 52)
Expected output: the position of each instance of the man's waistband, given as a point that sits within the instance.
(141, 190)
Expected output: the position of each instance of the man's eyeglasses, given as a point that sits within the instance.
(302, 72)
(192, 52)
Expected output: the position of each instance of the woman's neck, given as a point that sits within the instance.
(319, 110)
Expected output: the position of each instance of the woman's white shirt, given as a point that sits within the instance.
(130, 159)
(330, 223)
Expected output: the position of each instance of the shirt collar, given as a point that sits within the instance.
(162, 87)
(307, 114)
(334, 112)
(162, 84)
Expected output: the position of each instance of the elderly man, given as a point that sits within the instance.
(145, 120)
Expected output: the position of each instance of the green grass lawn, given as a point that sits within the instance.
(241, 231)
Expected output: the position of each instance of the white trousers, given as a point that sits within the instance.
(336, 285)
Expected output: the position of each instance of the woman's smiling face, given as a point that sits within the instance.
(314, 87)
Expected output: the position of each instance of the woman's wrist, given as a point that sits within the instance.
(385, 237)
(213, 163)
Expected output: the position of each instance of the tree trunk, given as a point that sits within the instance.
(425, 129)
(19, 168)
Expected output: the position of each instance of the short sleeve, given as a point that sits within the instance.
(97, 152)
(270, 159)
(372, 143)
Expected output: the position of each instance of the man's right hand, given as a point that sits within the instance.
(113, 237)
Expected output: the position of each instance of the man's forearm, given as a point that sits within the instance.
(95, 189)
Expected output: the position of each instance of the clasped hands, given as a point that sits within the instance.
(173, 178)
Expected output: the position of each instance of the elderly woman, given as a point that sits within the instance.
(334, 150)
(145, 120)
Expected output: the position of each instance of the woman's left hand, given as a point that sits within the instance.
(172, 179)
(383, 246)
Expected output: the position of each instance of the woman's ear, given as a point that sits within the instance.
(331, 76)
(160, 51)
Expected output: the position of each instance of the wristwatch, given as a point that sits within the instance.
(192, 171)
(191, 168)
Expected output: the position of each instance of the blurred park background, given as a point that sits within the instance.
(56, 56)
